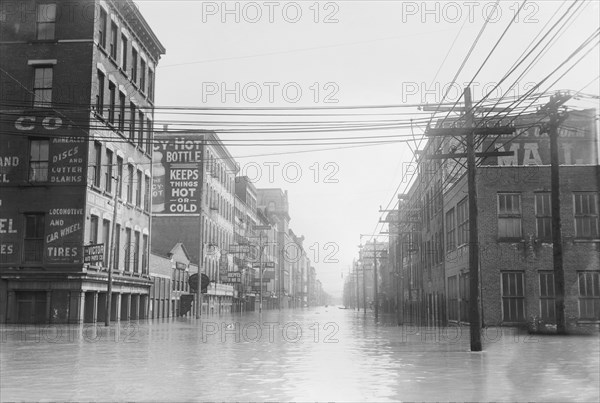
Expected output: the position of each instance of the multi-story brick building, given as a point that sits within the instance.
(514, 228)
(77, 100)
(178, 156)
(274, 203)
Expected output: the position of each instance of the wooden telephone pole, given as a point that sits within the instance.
(200, 232)
(557, 253)
(469, 132)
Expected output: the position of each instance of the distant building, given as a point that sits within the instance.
(77, 103)
(274, 203)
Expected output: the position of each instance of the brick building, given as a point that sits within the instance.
(77, 104)
(177, 159)
(514, 226)
(274, 203)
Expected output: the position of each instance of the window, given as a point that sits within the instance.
(96, 164)
(106, 240)
(117, 241)
(142, 75)
(151, 85)
(33, 241)
(109, 170)
(513, 297)
(462, 217)
(130, 171)
(127, 249)
(134, 65)
(119, 176)
(124, 52)
(450, 230)
(547, 307)
(543, 216)
(589, 295)
(100, 96)
(114, 35)
(46, 21)
(135, 252)
(141, 130)
(121, 112)
(509, 215)
(42, 86)
(586, 215)
(145, 254)
(138, 193)
(147, 193)
(112, 91)
(93, 229)
(102, 28)
(131, 121)
(38, 160)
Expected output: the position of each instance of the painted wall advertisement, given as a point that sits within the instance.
(577, 141)
(38, 152)
(176, 182)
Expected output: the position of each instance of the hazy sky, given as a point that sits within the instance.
(344, 53)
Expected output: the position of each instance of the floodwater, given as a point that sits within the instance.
(315, 354)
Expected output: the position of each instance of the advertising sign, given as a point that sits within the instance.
(176, 182)
(94, 254)
(50, 150)
(577, 142)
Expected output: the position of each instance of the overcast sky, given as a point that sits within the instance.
(345, 53)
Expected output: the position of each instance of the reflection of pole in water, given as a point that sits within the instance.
(158, 183)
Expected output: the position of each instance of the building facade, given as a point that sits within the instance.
(178, 159)
(77, 100)
(274, 203)
(514, 231)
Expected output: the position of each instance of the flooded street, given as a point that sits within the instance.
(324, 354)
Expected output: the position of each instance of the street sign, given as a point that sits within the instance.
(270, 265)
(239, 248)
(234, 274)
(94, 254)
(261, 227)
(256, 265)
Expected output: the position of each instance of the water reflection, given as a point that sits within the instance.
(323, 354)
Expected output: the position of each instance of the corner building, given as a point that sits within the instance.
(77, 81)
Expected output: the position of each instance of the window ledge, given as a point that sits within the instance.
(588, 321)
(583, 240)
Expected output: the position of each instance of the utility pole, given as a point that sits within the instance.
(399, 286)
(364, 289)
(260, 268)
(557, 253)
(200, 233)
(469, 131)
(474, 311)
(357, 294)
(111, 254)
(375, 295)
(279, 282)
